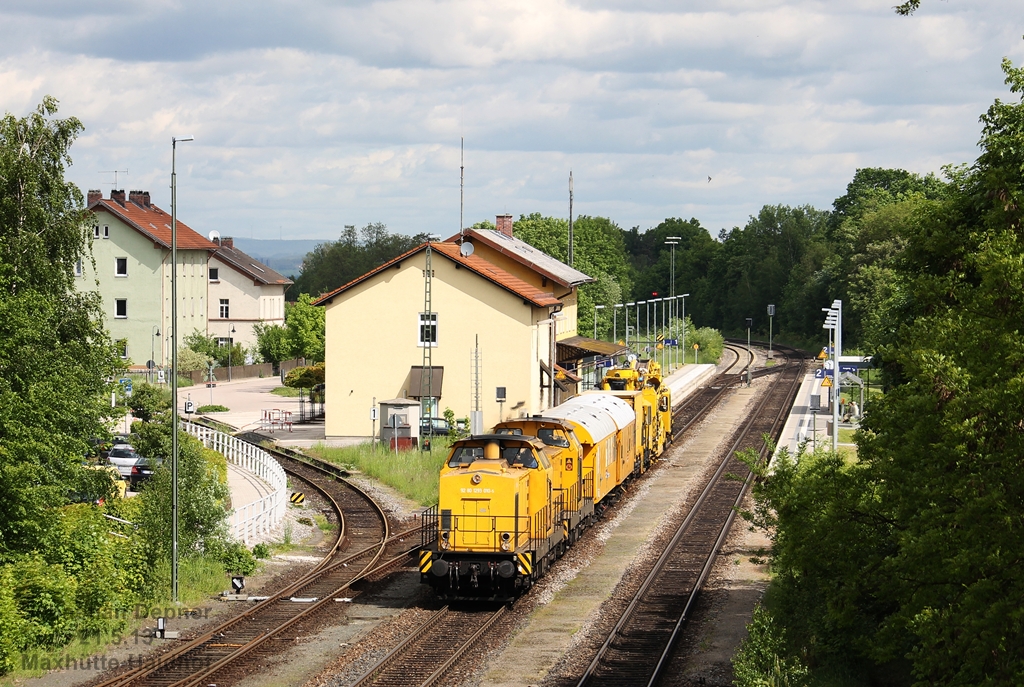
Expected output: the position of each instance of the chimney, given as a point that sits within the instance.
(227, 242)
(140, 198)
(118, 197)
(94, 195)
(503, 223)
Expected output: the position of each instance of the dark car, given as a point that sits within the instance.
(434, 426)
(142, 471)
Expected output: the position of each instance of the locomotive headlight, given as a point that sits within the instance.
(506, 541)
(443, 542)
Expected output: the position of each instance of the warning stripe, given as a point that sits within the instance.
(525, 563)
(426, 560)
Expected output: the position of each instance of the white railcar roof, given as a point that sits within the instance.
(599, 414)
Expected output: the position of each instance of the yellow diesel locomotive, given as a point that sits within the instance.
(511, 502)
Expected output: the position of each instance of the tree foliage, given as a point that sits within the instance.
(306, 325)
(907, 562)
(55, 356)
(333, 264)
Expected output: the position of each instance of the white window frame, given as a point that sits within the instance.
(225, 308)
(117, 262)
(117, 302)
(422, 323)
(214, 274)
(78, 267)
(123, 352)
(95, 231)
(106, 231)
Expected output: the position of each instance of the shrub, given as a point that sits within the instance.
(237, 559)
(261, 551)
(212, 409)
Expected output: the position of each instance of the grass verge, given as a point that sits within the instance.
(286, 391)
(412, 473)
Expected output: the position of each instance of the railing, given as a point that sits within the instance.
(259, 517)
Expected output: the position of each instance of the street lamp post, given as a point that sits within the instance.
(771, 316)
(638, 304)
(834, 321)
(174, 367)
(628, 306)
(154, 333)
(750, 359)
(682, 342)
(231, 344)
(615, 322)
(596, 308)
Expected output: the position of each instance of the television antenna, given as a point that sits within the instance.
(115, 172)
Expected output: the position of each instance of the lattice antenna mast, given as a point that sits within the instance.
(429, 335)
(570, 218)
(462, 188)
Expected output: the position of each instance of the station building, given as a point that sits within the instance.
(502, 317)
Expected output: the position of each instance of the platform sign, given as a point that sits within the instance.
(671, 342)
(822, 374)
(127, 384)
(848, 368)
(827, 381)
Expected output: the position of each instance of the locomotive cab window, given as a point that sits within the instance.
(519, 456)
(553, 437)
(465, 455)
(513, 431)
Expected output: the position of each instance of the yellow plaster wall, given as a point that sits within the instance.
(372, 334)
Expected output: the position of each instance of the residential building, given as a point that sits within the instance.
(242, 292)
(131, 270)
(491, 330)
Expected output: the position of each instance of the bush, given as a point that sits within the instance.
(261, 551)
(761, 660)
(237, 559)
(12, 623)
(212, 409)
(305, 377)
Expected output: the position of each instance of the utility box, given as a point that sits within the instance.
(400, 423)
(815, 402)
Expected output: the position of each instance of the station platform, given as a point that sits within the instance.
(805, 425)
(688, 379)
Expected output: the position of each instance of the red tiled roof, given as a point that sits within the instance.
(476, 264)
(154, 223)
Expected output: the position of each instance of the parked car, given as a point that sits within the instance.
(434, 426)
(124, 458)
(142, 471)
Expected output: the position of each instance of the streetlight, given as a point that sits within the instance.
(596, 308)
(834, 322)
(174, 367)
(154, 332)
(628, 305)
(638, 304)
(615, 322)
(231, 344)
(682, 341)
(750, 360)
(771, 316)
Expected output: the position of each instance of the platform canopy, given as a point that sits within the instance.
(579, 347)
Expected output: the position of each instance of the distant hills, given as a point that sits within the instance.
(283, 255)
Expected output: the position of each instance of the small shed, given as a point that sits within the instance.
(400, 423)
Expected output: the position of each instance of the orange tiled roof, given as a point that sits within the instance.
(154, 223)
(474, 263)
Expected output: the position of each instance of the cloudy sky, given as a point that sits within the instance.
(310, 116)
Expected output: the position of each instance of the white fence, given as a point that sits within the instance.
(259, 517)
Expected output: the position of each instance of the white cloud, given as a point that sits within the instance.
(308, 117)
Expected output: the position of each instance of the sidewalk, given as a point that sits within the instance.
(245, 487)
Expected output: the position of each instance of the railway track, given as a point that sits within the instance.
(234, 647)
(423, 658)
(639, 647)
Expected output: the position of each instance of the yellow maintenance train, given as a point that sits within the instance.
(511, 502)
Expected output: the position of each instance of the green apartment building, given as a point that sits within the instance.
(131, 269)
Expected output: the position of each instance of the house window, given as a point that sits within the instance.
(120, 267)
(428, 329)
(96, 231)
(122, 349)
(121, 308)
(224, 311)
(223, 341)
(214, 274)
(78, 267)
(106, 231)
